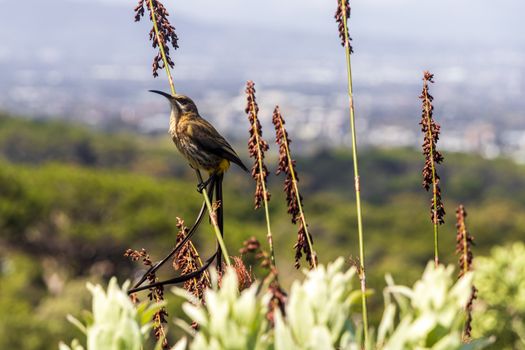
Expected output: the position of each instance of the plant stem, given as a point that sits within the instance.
(199, 260)
(161, 47)
(298, 198)
(434, 181)
(269, 235)
(216, 228)
(356, 173)
(173, 92)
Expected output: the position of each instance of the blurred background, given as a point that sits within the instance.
(88, 61)
(87, 169)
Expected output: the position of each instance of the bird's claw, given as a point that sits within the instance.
(201, 187)
(203, 184)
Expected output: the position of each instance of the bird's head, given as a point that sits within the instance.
(180, 104)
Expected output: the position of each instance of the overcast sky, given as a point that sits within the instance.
(457, 23)
(479, 20)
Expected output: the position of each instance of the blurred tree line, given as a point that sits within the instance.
(73, 199)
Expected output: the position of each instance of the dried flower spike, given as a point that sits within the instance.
(277, 301)
(293, 197)
(467, 333)
(166, 32)
(278, 295)
(257, 146)
(155, 294)
(342, 14)
(252, 246)
(431, 132)
(433, 157)
(464, 243)
(243, 275)
(187, 260)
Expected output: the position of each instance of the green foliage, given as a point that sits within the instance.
(319, 315)
(17, 275)
(30, 141)
(71, 221)
(318, 311)
(31, 316)
(431, 314)
(228, 319)
(500, 309)
(115, 323)
(70, 213)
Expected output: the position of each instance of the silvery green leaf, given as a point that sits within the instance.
(320, 339)
(77, 323)
(180, 345)
(75, 345)
(387, 323)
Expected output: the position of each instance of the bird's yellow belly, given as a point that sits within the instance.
(223, 166)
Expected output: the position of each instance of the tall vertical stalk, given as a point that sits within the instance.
(257, 147)
(291, 171)
(430, 177)
(434, 183)
(269, 235)
(464, 243)
(357, 187)
(160, 42)
(218, 235)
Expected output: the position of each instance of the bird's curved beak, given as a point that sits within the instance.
(171, 98)
(175, 106)
(168, 96)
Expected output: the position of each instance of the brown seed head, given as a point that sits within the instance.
(287, 166)
(167, 35)
(340, 21)
(432, 156)
(278, 295)
(243, 275)
(155, 294)
(134, 298)
(468, 322)
(136, 255)
(252, 246)
(187, 260)
(277, 301)
(257, 146)
(464, 242)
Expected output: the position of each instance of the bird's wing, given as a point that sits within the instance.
(209, 139)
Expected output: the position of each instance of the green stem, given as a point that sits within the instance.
(297, 196)
(356, 174)
(434, 182)
(216, 228)
(161, 47)
(173, 92)
(269, 235)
